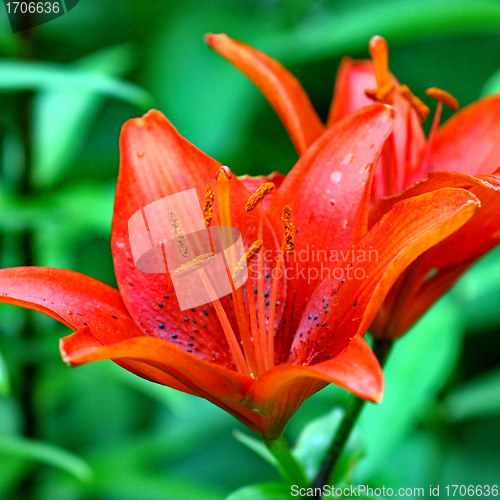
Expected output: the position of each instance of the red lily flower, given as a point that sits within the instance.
(258, 370)
(463, 153)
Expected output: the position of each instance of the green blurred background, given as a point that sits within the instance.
(66, 87)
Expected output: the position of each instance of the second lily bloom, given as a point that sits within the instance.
(463, 153)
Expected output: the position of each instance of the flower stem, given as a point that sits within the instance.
(381, 348)
(355, 405)
(289, 468)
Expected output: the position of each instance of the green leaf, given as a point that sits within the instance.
(418, 367)
(46, 453)
(479, 293)
(62, 118)
(137, 485)
(43, 76)
(257, 446)
(346, 31)
(315, 439)
(478, 398)
(264, 491)
(492, 86)
(4, 378)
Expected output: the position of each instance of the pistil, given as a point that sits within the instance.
(379, 52)
(223, 178)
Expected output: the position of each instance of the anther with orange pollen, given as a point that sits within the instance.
(178, 233)
(208, 205)
(257, 341)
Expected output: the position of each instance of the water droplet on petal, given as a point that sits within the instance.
(348, 158)
(336, 176)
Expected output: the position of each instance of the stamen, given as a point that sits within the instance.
(260, 293)
(444, 97)
(289, 228)
(208, 205)
(234, 345)
(409, 140)
(178, 233)
(379, 52)
(422, 110)
(383, 94)
(193, 265)
(223, 177)
(259, 195)
(256, 336)
(288, 244)
(417, 104)
(241, 267)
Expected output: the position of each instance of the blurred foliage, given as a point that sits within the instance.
(98, 432)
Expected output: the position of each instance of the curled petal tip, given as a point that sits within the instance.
(226, 170)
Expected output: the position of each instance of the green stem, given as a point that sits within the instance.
(354, 407)
(381, 348)
(289, 468)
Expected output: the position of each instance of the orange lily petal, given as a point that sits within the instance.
(280, 391)
(438, 269)
(469, 142)
(279, 86)
(83, 342)
(72, 298)
(150, 356)
(156, 161)
(412, 226)
(353, 78)
(329, 193)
